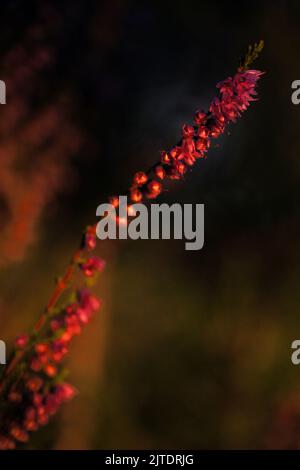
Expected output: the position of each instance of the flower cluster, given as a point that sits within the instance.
(35, 404)
(235, 95)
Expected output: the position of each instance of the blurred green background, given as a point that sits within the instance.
(192, 349)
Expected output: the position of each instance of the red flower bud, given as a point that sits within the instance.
(189, 159)
(154, 188)
(140, 178)
(66, 337)
(30, 413)
(160, 172)
(41, 348)
(65, 392)
(165, 158)
(130, 210)
(90, 241)
(30, 425)
(188, 146)
(15, 397)
(188, 131)
(202, 144)
(173, 174)
(56, 324)
(35, 364)
(21, 341)
(114, 201)
(136, 195)
(43, 357)
(181, 168)
(92, 265)
(216, 130)
(6, 443)
(18, 433)
(203, 132)
(37, 400)
(41, 410)
(199, 117)
(34, 384)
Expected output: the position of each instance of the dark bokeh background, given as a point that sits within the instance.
(193, 348)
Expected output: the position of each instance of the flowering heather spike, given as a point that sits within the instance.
(35, 391)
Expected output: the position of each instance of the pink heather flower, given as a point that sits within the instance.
(50, 370)
(30, 413)
(41, 348)
(37, 399)
(187, 131)
(200, 117)
(59, 350)
(90, 241)
(84, 315)
(92, 265)
(56, 324)
(6, 443)
(236, 94)
(42, 420)
(34, 383)
(30, 424)
(65, 392)
(35, 364)
(136, 195)
(203, 132)
(73, 324)
(15, 397)
(140, 178)
(159, 172)
(51, 404)
(21, 341)
(153, 189)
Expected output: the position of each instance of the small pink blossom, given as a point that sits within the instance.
(90, 241)
(92, 265)
(65, 391)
